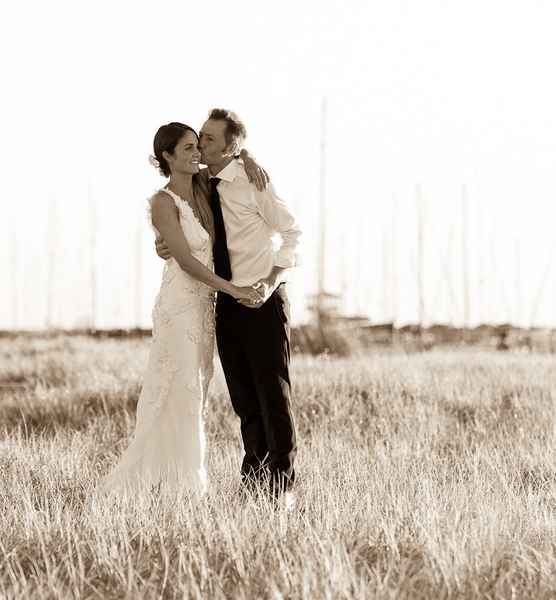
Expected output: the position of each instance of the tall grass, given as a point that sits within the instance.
(420, 476)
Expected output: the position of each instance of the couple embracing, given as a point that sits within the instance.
(223, 279)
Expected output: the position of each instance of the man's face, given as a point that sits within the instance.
(212, 142)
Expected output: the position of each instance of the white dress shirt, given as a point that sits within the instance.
(252, 219)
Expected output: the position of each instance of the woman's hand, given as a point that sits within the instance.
(162, 249)
(248, 296)
(255, 173)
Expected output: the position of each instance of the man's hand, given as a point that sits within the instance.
(264, 287)
(248, 296)
(162, 249)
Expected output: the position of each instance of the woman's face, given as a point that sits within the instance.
(186, 156)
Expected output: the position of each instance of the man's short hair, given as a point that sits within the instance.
(235, 129)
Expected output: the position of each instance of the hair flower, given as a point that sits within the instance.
(154, 161)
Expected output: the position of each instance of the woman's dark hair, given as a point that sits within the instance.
(166, 139)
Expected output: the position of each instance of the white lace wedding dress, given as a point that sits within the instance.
(168, 444)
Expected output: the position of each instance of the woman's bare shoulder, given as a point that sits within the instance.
(161, 198)
(162, 204)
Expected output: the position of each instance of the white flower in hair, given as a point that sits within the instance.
(154, 161)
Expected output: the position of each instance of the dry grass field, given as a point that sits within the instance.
(420, 476)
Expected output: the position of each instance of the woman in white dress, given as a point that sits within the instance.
(168, 443)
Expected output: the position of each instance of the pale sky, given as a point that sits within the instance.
(433, 93)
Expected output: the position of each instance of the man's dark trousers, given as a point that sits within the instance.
(254, 348)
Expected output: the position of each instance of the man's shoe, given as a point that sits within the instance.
(286, 501)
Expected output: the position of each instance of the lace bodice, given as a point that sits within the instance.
(195, 234)
(199, 242)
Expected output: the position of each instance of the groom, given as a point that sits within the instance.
(253, 340)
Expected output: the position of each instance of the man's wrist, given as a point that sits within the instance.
(274, 279)
(271, 283)
(277, 273)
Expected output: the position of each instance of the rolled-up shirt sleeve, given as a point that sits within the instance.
(280, 219)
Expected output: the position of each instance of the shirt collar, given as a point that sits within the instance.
(232, 170)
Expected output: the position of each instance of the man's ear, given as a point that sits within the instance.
(232, 149)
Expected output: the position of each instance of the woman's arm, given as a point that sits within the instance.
(166, 221)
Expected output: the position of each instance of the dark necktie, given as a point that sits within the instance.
(220, 246)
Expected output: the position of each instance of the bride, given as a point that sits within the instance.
(168, 443)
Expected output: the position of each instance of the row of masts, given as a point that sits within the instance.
(390, 289)
(461, 302)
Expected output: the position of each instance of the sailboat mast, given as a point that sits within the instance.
(322, 210)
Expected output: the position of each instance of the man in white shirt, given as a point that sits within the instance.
(253, 341)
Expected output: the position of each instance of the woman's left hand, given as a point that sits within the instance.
(255, 173)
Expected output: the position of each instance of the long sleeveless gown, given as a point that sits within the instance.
(168, 444)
